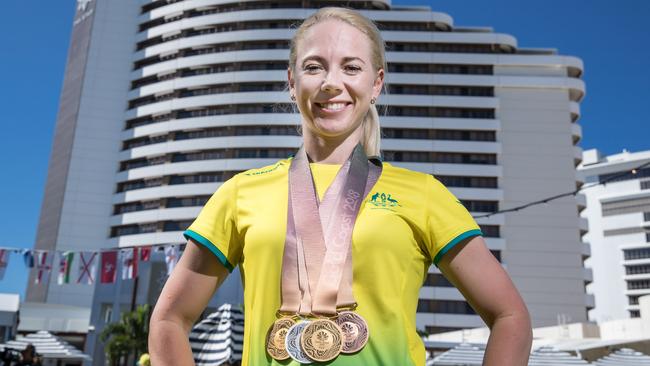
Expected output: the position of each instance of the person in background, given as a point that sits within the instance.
(29, 357)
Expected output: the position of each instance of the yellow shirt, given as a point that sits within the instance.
(408, 221)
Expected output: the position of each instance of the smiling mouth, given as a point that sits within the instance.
(332, 107)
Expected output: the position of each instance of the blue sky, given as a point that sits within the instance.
(611, 37)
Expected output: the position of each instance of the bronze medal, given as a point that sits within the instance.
(275, 338)
(322, 340)
(355, 331)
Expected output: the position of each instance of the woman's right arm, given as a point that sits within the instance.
(185, 295)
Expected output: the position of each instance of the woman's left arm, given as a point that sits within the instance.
(488, 289)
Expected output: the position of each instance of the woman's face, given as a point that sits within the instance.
(334, 79)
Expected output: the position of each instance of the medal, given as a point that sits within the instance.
(322, 340)
(275, 339)
(355, 331)
(317, 263)
(293, 343)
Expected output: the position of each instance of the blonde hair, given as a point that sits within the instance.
(371, 139)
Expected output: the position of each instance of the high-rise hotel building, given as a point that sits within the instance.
(618, 210)
(165, 99)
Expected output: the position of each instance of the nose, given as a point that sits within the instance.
(331, 83)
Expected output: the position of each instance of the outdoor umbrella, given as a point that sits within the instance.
(218, 339)
(463, 354)
(624, 357)
(550, 356)
(469, 355)
(47, 345)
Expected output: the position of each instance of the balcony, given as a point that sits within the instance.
(581, 200)
(583, 224)
(586, 250)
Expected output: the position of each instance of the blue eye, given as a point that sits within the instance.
(312, 68)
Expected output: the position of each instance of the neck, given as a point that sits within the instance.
(327, 150)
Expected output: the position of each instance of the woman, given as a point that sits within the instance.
(405, 221)
(29, 357)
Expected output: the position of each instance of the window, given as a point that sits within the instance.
(440, 69)
(442, 112)
(177, 225)
(622, 176)
(491, 231)
(187, 201)
(637, 269)
(635, 314)
(638, 253)
(437, 280)
(467, 182)
(107, 313)
(443, 47)
(444, 307)
(481, 206)
(471, 91)
(440, 157)
(210, 111)
(496, 254)
(435, 330)
(433, 134)
(638, 284)
(645, 184)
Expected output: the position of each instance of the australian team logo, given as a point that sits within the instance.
(381, 200)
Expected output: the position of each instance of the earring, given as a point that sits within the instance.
(373, 100)
(293, 97)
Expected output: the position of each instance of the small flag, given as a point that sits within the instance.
(28, 256)
(129, 263)
(4, 262)
(109, 262)
(44, 266)
(145, 253)
(171, 257)
(65, 267)
(87, 267)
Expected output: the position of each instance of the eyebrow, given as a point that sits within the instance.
(322, 60)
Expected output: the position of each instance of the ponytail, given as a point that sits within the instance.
(371, 139)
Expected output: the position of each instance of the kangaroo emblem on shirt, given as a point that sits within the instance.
(381, 199)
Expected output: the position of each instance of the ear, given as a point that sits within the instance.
(378, 84)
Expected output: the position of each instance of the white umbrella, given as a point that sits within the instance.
(463, 354)
(218, 338)
(47, 345)
(469, 355)
(624, 357)
(550, 356)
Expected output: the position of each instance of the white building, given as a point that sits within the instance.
(619, 232)
(588, 340)
(163, 100)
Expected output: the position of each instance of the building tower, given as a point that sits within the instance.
(165, 99)
(619, 231)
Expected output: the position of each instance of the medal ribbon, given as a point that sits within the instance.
(310, 266)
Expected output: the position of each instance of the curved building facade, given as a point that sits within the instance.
(192, 92)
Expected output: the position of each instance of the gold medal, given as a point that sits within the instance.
(355, 331)
(322, 340)
(275, 338)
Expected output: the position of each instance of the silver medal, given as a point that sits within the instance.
(293, 343)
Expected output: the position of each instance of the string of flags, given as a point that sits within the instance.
(81, 267)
